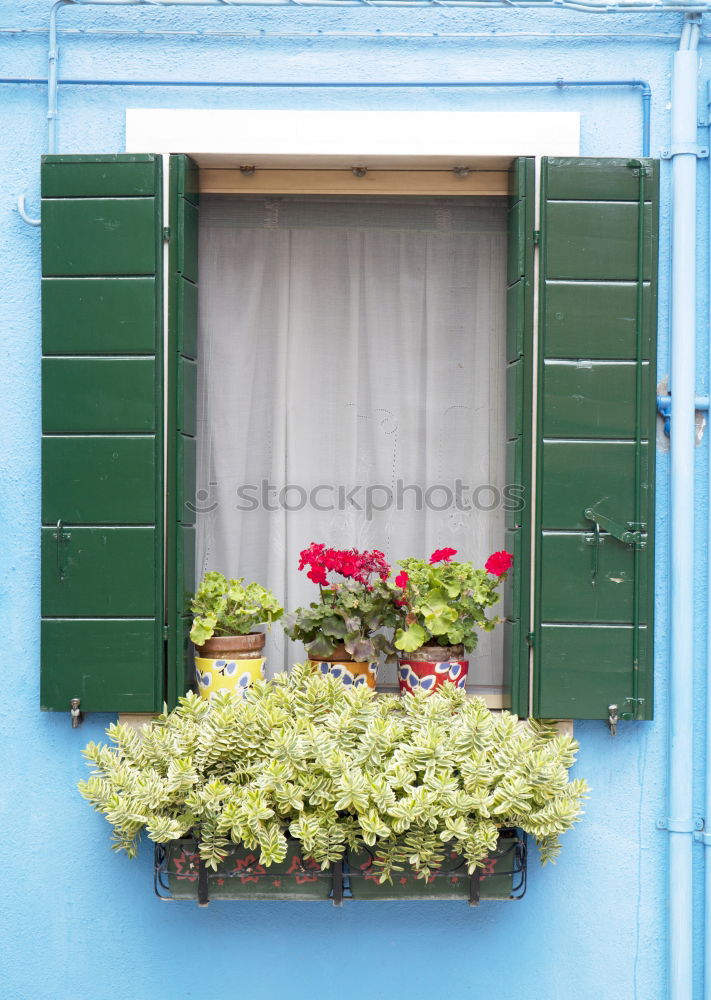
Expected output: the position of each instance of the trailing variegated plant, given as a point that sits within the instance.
(336, 767)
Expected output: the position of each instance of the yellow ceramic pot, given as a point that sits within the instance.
(348, 671)
(217, 676)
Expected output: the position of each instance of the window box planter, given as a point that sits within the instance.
(240, 876)
(178, 875)
(503, 876)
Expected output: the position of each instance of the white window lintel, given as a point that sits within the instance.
(353, 138)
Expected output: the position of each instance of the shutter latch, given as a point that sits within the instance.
(630, 534)
(61, 537)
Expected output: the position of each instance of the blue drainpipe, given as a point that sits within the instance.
(706, 835)
(680, 822)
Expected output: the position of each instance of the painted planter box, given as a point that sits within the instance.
(240, 875)
(503, 876)
(177, 876)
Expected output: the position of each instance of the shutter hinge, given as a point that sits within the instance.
(634, 706)
(536, 237)
(531, 639)
(166, 631)
(166, 234)
(638, 169)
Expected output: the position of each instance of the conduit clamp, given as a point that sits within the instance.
(701, 152)
(664, 408)
(680, 825)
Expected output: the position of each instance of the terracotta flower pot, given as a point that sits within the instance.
(431, 666)
(229, 663)
(340, 664)
(234, 646)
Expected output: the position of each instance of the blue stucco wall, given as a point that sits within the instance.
(78, 921)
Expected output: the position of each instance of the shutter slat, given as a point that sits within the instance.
(106, 175)
(95, 395)
(98, 316)
(595, 454)
(87, 589)
(108, 236)
(102, 449)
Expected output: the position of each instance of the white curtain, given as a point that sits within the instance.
(352, 374)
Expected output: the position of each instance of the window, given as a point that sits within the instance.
(352, 389)
(580, 411)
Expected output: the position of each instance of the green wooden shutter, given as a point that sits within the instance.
(102, 443)
(182, 393)
(519, 386)
(595, 427)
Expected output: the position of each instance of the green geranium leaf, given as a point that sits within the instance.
(232, 608)
(203, 629)
(334, 626)
(321, 646)
(439, 624)
(361, 649)
(410, 639)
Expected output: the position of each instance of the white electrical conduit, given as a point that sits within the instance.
(680, 822)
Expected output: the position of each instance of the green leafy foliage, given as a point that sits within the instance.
(445, 603)
(228, 607)
(349, 613)
(336, 767)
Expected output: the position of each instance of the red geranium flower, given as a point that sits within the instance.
(499, 563)
(318, 575)
(442, 555)
(350, 563)
(401, 580)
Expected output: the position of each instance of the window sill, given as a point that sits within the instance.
(494, 702)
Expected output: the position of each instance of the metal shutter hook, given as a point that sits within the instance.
(23, 214)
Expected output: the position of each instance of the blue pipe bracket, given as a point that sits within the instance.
(664, 409)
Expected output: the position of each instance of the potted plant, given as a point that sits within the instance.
(442, 609)
(342, 629)
(227, 644)
(304, 767)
